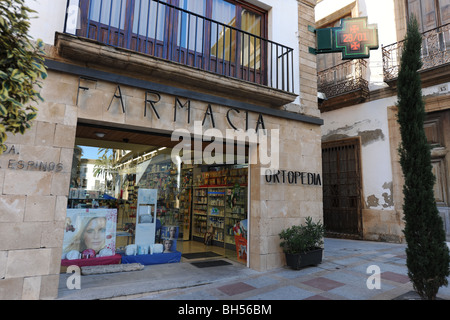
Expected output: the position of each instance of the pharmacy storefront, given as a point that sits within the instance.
(162, 178)
(120, 168)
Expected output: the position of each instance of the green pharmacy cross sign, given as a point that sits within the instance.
(354, 38)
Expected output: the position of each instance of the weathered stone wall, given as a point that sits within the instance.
(275, 207)
(33, 199)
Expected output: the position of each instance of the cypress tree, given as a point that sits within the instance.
(427, 255)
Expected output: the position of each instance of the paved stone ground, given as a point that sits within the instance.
(343, 275)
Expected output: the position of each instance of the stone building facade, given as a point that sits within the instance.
(360, 113)
(81, 89)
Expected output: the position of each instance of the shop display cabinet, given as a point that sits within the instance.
(216, 213)
(235, 212)
(200, 213)
(215, 207)
(185, 203)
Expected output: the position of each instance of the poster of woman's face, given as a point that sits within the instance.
(169, 233)
(169, 245)
(90, 229)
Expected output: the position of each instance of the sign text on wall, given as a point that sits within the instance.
(35, 165)
(292, 177)
(152, 98)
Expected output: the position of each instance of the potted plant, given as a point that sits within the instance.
(302, 244)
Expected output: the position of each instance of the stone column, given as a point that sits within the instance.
(308, 61)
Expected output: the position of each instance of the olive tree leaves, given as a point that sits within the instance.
(21, 69)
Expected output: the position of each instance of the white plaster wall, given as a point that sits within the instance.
(360, 119)
(49, 18)
(351, 121)
(381, 13)
(283, 29)
(325, 7)
(435, 90)
(364, 120)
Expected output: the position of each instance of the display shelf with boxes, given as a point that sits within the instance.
(199, 213)
(219, 203)
(162, 175)
(222, 176)
(216, 214)
(235, 212)
(185, 203)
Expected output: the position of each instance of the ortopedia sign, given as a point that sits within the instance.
(354, 38)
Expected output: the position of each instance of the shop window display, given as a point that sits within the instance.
(196, 207)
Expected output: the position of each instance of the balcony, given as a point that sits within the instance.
(172, 35)
(343, 85)
(435, 57)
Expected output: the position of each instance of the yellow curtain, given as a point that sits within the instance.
(251, 46)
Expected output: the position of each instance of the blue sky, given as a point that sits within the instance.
(89, 152)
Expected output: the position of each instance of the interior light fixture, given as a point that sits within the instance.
(100, 134)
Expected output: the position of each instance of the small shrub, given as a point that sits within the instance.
(303, 238)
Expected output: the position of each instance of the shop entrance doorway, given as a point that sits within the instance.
(200, 209)
(342, 206)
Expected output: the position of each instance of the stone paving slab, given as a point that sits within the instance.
(343, 275)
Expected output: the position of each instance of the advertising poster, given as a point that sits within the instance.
(90, 230)
(169, 236)
(240, 237)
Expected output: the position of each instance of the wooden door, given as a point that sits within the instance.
(106, 21)
(437, 130)
(150, 33)
(342, 204)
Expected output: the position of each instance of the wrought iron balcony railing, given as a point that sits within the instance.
(165, 31)
(343, 78)
(435, 52)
